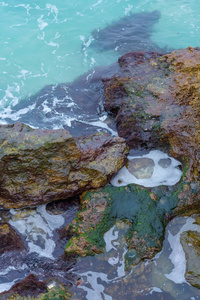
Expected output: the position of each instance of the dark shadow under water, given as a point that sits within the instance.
(78, 105)
(130, 33)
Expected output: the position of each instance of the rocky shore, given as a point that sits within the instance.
(155, 101)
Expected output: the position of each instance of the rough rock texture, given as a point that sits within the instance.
(190, 241)
(9, 239)
(33, 289)
(142, 210)
(38, 166)
(156, 102)
(28, 287)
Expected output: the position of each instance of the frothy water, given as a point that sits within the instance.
(44, 48)
(43, 245)
(106, 277)
(51, 43)
(177, 255)
(37, 226)
(162, 174)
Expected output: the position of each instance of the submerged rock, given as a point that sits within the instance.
(165, 162)
(130, 33)
(141, 167)
(156, 103)
(76, 106)
(39, 166)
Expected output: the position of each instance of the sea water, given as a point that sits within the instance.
(44, 43)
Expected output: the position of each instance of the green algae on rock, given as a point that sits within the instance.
(33, 289)
(138, 207)
(42, 165)
(155, 100)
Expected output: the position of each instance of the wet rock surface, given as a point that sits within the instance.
(190, 241)
(30, 286)
(156, 103)
(39, 166)
(9, 239)
(143, 211)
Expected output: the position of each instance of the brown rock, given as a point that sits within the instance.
(30, 286)
(156, 103)
(9, 239)
(190, 241)
(39, 166)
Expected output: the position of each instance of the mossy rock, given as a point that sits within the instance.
(141, 208)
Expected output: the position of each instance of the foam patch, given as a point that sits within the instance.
(164, 172)
(37, 227)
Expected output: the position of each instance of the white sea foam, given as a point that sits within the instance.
(7, 285)
(8, 112)
(37, 227)
(155, 289)
(97, 290)
(128, 9)
(52, 8)
(117, 262)
(97, 3)
(161, 176)
(100, 124)
(41, 23)
(177, 255)
(109, 236)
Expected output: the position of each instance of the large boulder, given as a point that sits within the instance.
(155, 100)
(142, 210)
(38, 166)
(156, 103)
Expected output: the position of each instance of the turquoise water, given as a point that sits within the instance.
(46, 43)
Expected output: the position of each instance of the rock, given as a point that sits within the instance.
(9, 239)
(130, 33)
(39, 166)
(141, 168)
(140, 208)
(28, 287)
(165, 162)
(190, 241)
(156, 103)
